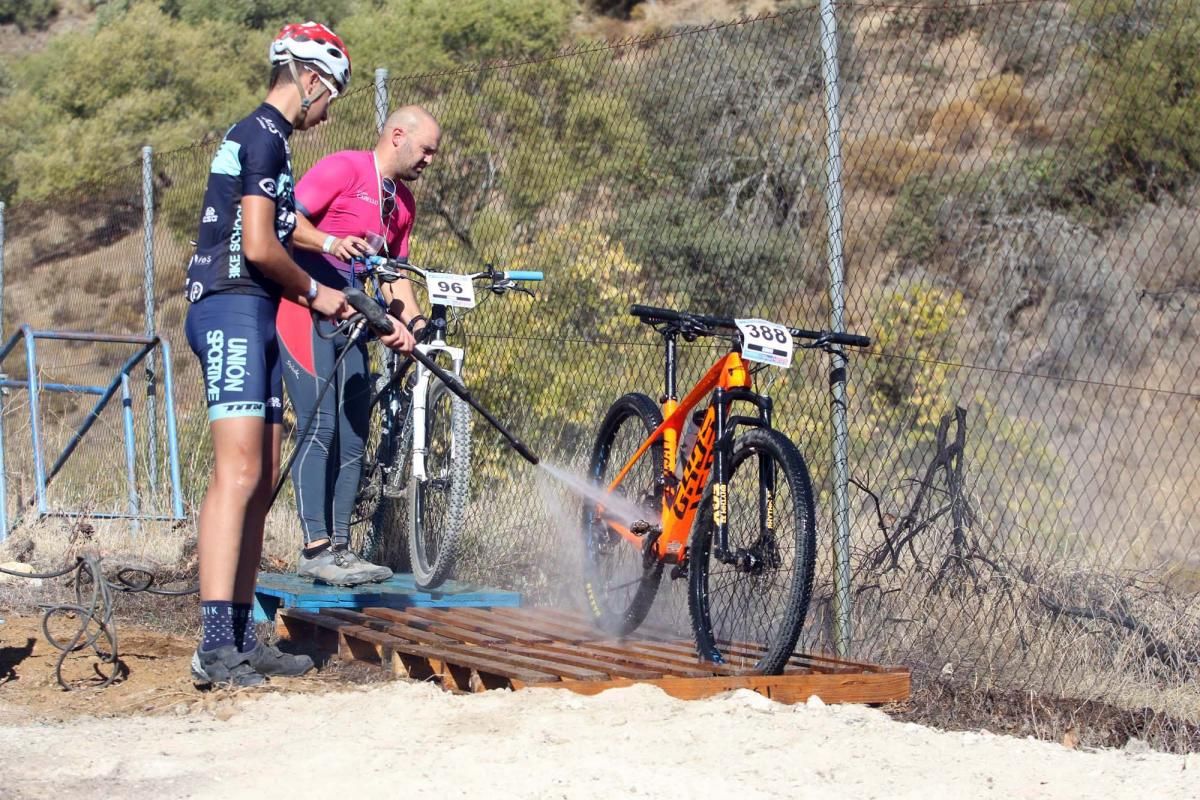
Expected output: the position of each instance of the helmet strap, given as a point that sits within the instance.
(305, 99)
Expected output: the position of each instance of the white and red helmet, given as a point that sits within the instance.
(314, 45)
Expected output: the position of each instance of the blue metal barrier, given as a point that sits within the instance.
(121, 382)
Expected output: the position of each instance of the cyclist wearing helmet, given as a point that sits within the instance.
(346, 199)
(241, 268)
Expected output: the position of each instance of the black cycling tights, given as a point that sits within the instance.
(328, 464)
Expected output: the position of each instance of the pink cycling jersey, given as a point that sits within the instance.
(341, 196)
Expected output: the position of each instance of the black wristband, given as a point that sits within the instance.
(413, 321)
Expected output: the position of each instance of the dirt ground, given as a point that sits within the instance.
(349, 728)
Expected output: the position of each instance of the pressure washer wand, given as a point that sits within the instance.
(377, 320)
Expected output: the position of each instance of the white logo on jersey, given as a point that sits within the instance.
(210, 215)
(267, 124)
(268, 186)
(196, 291)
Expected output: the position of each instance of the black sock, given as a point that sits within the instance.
(216, 618)
(244, 634)
(314, 550)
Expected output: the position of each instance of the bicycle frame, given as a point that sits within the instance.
(726, 381)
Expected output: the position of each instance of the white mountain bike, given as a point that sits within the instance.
(420, 445)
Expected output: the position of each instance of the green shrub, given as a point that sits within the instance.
(266, 15)
(28, 15)
(79, 112)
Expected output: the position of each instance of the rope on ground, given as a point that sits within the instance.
(94, 616)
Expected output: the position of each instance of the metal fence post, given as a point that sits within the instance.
(837, 374)
(3, 473)
(381, 98)
(1, 270)
(148, 250)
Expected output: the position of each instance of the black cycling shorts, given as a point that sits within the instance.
(234, 337)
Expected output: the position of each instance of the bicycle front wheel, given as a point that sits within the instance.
(748, 605)
(619, 581)
(438, 504)
(380, 515)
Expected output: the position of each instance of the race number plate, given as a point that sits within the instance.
(447, 289)
(766, 342)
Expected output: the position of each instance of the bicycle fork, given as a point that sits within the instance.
(420, 398)
(763, 552)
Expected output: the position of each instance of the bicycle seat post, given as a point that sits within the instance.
(669, 335)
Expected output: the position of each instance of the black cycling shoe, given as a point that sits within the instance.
(267, 659)
(224, 667)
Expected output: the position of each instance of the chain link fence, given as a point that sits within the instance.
(1018, 229)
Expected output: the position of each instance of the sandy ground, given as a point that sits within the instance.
(153, 736)
(401, 737)
(639, 742)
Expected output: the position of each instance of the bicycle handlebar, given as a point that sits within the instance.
(392, 267)
(377, 318)
(652, 315)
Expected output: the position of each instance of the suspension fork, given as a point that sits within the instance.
(766, 486)
(723, 469)
(722, 462)
(420, 398)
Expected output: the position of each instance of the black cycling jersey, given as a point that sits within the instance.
(253, 159)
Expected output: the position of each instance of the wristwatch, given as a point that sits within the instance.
(312, 289)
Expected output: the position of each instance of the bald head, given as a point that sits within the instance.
(408, 142)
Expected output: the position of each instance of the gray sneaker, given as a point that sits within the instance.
(375, 573)
(224, 667)
(340, 567)
(267, 659)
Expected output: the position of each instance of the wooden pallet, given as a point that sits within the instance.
(474, 649)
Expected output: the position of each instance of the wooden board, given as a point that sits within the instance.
(278, 590)
(474, 649)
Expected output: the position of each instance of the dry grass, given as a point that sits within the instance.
(958, 126)
(884, 163)
(1004, 97)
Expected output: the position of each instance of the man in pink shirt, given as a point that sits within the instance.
(350, 203)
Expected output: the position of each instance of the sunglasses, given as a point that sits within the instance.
(389, 198)
(333, 92)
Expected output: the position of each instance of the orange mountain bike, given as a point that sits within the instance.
(736, 518)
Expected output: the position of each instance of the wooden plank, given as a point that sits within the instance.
(290, 590)
(440, 628)
(485, 620)
(475, 620)
(530, 661)
(392, 628)
(581, 657)
(666, 651)
(561, 626)
(442, 660)
(666, 663)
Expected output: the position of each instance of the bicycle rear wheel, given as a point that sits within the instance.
(438, 505)
(749, 613)
(619, 583)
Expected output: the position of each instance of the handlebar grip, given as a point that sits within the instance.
(376, 317)
(654, 313)
(850, 339)
(523, 275)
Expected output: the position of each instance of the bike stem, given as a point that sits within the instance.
(378, 321)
